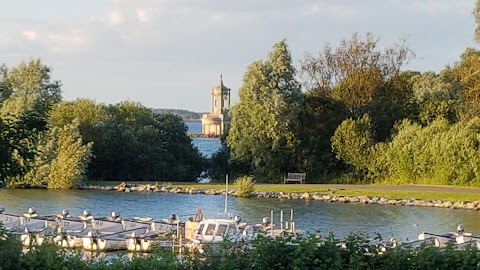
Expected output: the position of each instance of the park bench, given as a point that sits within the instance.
(295, 178)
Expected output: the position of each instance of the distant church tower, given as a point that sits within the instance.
(217, 122)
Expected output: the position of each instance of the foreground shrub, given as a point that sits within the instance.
(245, 185)
(357, 251)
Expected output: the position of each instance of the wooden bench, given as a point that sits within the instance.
(295, 178)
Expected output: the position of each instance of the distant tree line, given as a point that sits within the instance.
(360, 119)
(47, 142)
(184, 114)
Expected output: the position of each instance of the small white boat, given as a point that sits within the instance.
(29, 226)
(441, 240)
(211, 232)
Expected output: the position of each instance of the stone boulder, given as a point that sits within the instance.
(305, 196)
(143, 188)
(121, 187)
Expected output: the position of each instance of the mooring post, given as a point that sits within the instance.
(226, 194)
(292, 226)
(281, 219)
(271, 222)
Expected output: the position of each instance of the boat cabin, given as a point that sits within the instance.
(216, 230)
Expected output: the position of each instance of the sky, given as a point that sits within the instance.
(170, 53)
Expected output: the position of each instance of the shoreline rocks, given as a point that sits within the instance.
(125, 187)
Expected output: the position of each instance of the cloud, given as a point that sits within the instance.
(436, 7)
(73, 41)
(30, 35)
(142, 16)
(334, 10)
(115, 17)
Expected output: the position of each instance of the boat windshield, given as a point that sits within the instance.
(231, 230)
(210, 229)
(222, 228)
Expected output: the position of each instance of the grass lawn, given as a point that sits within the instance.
(389, 192)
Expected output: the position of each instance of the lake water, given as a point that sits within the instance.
(403, 222)
(206, 146)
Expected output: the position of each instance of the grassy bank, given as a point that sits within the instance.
(443, 193)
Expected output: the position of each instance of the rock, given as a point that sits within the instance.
(354, 200)
(419, 203)
(458, 205)
(438, 204)
(469, 206)
(341, 199)
(447, 204)
(305, 196)
(261, 194)
(121, 187)
(392, 202)
(143, 188)
(127, 189)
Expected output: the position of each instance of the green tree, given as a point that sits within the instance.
(436, 96)
(354, 143)
(264, 122)
(29, 88)
(350, 60)
(132, 143)
(221, 163)
(27, 94)
(68, 167)
(17, 144)
(318, 120)
(467, 73)
(366, 79)
(85, 112)
(61, 159)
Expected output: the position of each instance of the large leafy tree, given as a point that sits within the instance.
(467, 73)
(17, 135)
(436, 96)
(317, 123)
(27, 94)
(61, 159)
(264, 122)
(352, 60)
(364, 78)
(29, 88)
(85, 112)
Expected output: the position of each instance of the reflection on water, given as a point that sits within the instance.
(400, 221)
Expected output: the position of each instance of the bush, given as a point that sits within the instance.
(357, 251)
(245, 186)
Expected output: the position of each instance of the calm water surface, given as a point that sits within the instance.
(207, 146)
(403, 222)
